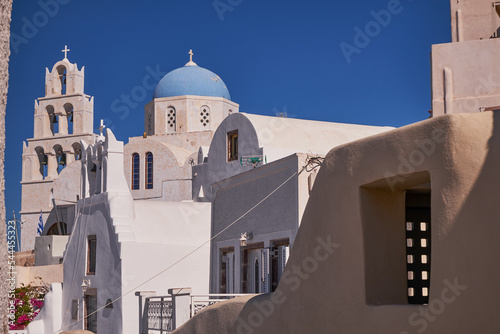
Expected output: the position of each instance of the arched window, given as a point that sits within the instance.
(78, 151)
(43, 161)
(59, 228)
(61, 70)
(171, 118)
(60, 157)
(135, 171)
(54, 122)
(149, 170)
(68, 108)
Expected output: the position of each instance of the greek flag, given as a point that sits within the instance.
(39, 230)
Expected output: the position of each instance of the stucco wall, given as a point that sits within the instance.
(171, 169)
(49, 274)
(325, 286)
(276, 218)
(94, 219)
(473, 20)
(465, 76)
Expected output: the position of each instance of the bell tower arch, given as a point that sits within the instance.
(63, 117)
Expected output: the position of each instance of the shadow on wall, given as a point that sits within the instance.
(325, 294)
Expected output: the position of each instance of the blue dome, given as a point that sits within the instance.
(191, 80)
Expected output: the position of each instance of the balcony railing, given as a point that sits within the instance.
(163, 314)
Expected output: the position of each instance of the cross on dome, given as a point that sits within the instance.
(191, 62)
(65, 51)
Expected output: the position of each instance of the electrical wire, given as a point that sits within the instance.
(305, 167)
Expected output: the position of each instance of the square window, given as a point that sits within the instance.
(409, 226)
(424, 275)
(409, 258)
(423, 242)
(423, 226)
(410, 275)
(409, 242)
(410, 292)
(425, 292)
(424, 259)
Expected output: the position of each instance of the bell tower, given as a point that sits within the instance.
(63, 117)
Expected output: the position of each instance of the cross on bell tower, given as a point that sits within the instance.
(65, 51)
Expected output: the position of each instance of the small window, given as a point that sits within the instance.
(232, 145)
(149, 170)
(135, 171)
(205, 116)
(171, 118)
(74, 309)
(91, 254)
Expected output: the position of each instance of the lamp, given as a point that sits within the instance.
(245, 237)
(85, 285)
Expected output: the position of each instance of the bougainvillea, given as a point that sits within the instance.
(28, 302)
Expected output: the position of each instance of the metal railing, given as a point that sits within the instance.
(159, 311)
(199, 302)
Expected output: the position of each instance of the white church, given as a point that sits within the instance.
(116, 216)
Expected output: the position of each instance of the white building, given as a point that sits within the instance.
(142, 206)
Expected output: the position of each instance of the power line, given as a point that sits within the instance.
(308, 163)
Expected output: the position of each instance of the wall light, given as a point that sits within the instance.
(85, 285)
(245, 237)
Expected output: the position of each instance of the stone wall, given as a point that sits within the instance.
(5, 11)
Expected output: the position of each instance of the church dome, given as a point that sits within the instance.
(191, 80)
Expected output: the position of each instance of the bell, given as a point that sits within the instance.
(62, 160)
(54, 119)
(44, 160)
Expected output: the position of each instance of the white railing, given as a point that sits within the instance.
(199, 302)
(159, 313)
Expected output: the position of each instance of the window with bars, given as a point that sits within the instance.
(418, 246)
(149, 170)
(135, 171)
(397, 240)
(205, 115)
(171, 118)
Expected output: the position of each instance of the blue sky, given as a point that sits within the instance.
(274, 56)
